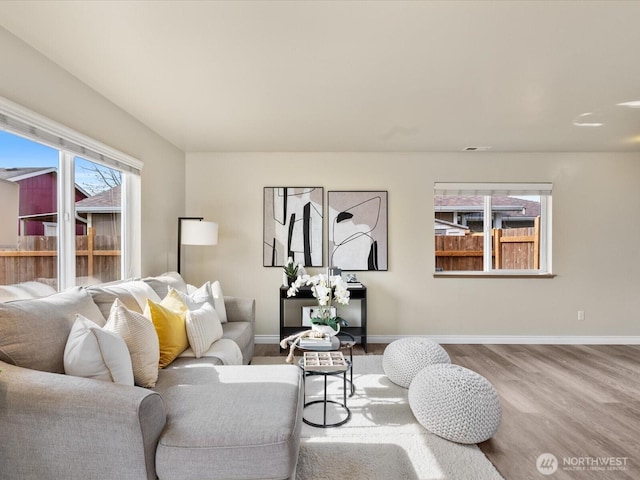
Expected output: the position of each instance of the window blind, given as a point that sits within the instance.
(505, 189)
(21, 121)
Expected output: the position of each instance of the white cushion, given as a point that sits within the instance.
(196, 297)
(203, 328)
(142, 341)
(209, 292)
(93, 352)
(218, 300)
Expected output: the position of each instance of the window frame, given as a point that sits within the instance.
(487, 190)
(20, 121)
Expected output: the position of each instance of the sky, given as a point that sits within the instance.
(16, 151)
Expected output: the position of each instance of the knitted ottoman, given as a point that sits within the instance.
(455, 403)
(404, 358)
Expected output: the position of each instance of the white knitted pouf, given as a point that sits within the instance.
(455, 403)
(404, 358)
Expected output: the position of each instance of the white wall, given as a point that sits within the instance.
(596, 235)
(31, 80)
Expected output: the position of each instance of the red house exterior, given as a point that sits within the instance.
(38, 198)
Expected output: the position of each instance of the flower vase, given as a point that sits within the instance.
(325, 329)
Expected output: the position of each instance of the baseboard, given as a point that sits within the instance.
(495, 339)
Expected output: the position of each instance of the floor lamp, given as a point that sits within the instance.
(193, 231)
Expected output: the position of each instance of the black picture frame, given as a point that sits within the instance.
(293, 226)
(358, 230)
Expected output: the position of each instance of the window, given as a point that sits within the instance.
(492, 228)
(72, 213)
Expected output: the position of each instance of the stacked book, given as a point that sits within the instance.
(323, 343)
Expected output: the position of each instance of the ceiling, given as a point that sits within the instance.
(354, 76)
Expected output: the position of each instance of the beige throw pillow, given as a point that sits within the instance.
(93, 352)
(35, 332)
(142, 341)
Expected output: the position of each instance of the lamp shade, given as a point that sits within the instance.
(195, 232)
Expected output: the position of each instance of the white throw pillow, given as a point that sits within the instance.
(209, 292)
(203, 328)
(196, 297)
(218, 301)
(142, 341)
(93, 352)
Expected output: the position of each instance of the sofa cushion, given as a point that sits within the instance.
(210, 293)
(227, 421)
(25, 290)
(173, 301)
(142, 341)
(203, 328)
(171, 330)
(132, 294)
(218, 299)
(242, 334)
(33, 333)
(161, 283)
(92, 352)
(226, 351)
(196, 297)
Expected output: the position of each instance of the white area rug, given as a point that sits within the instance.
(382, 440)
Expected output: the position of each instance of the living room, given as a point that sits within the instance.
(584, 62)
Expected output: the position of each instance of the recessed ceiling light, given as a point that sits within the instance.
(476, 149)
(579, 123)
(632, 104)
(587, 124)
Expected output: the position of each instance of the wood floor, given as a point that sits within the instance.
(580, 403)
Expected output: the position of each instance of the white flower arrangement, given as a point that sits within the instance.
(325, 292)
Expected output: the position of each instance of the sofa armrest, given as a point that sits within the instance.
(59, 426)
(241, 310)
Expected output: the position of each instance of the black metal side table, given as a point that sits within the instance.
(339, 342)
(312, 371)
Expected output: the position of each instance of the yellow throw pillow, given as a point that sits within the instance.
(174, 302)
(171, 330)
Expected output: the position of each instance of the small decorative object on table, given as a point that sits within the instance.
(289, 272)
(325, 289)
(293, 340)
(321, 343)
(324, 361)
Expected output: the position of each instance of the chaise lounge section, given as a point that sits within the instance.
(202, 420)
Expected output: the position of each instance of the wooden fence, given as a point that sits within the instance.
(97, 256)
(511, 248)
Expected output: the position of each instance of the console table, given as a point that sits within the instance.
(304, 295)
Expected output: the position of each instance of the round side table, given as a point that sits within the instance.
(312, 371)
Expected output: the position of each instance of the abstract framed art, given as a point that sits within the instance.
(358, 236)
(292, 226)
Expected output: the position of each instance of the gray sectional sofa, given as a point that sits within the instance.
(202, 420)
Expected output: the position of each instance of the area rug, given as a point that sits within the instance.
(382, 440)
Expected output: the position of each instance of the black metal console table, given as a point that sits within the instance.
(355, 293)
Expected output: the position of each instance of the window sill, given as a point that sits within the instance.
(491, 275)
